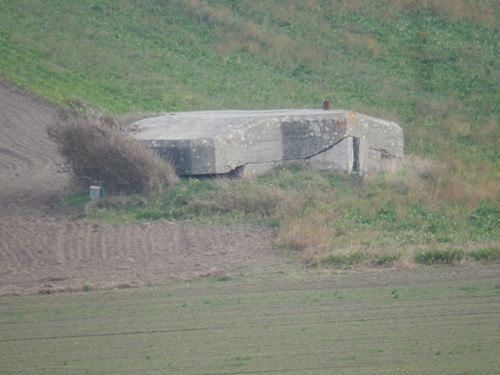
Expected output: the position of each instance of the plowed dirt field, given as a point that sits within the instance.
(42, 250)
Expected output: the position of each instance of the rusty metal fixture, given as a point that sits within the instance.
(326, 104)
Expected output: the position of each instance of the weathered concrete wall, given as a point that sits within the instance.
(254, 142)
(384, 142)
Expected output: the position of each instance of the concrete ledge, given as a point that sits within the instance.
(254, 142)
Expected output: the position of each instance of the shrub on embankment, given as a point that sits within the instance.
(95, 149)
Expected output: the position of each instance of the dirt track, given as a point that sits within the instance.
(43, 251)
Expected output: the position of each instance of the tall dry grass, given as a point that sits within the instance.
(95, 149)
(247, 199)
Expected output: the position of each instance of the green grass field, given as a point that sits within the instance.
(432, 321)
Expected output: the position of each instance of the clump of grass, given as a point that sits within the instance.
(75, 200)
(451, 256)
(387, 259)
(347, 260)
(354, 258)
(88, 288)
(95, 149)
(486, 254)
(222, 278)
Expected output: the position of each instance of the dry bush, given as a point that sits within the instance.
(95, 148)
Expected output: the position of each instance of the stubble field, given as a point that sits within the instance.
(432, 321)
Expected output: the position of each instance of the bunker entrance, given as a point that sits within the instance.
(355, 155)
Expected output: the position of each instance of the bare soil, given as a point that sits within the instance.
(43, 251)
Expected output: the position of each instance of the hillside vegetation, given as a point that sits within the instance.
(432, 66)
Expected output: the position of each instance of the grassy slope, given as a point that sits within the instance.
(434, 68)
(430, 321)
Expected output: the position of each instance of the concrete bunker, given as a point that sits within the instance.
(252, 143)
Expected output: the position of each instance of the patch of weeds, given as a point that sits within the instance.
(395, 293)
(486, 217)
(222, 278)
(126, 311)
(75, 204)
(88, 288)
(468, 289)
(75, 201)
(245, 358)
(338, 295)
(272, 223)
(387, 212)
(240, 361)
(486, 254)
(344, 260)
(349, 358)
(222, 302)
(215, 276)
(386, 259)
(311, 299)
(452, 256)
